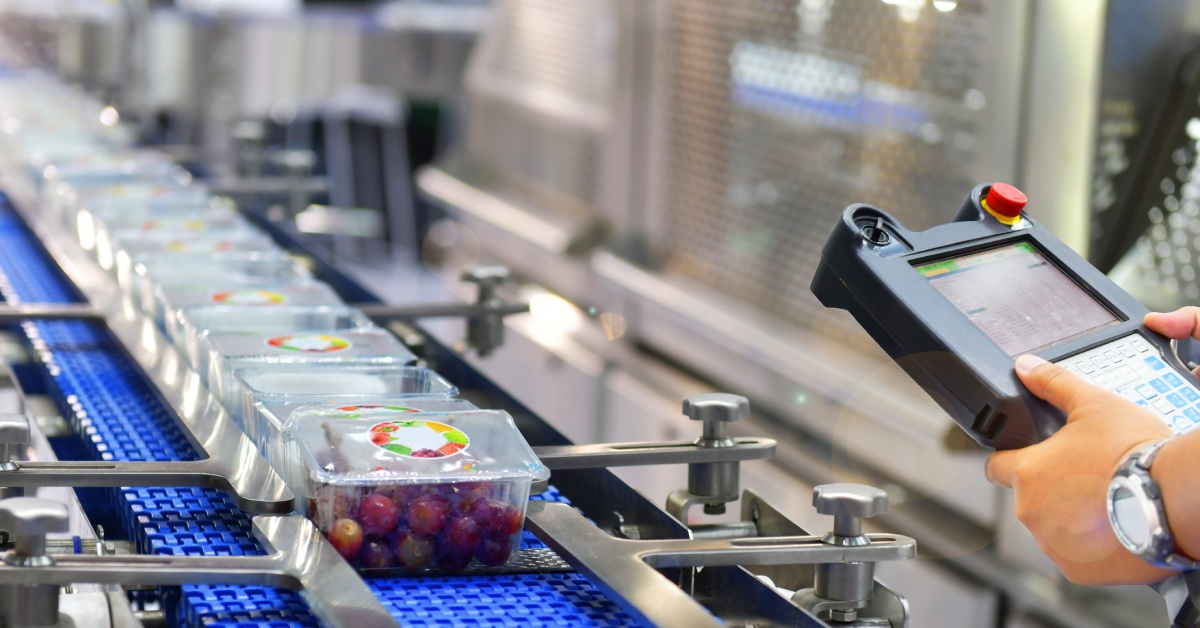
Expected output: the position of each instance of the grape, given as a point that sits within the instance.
(463, 533)
(347, 538)
(425, 453)
(414, 550)
(376, 553)
(495, 549)
(451, 557)
(497, 516)
(427, 514)
(473, 494)
(378, 514)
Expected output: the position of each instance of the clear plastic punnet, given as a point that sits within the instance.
(431, 491)
(279, 448)
(169, 300)
(231, 351)
(329, 384)
(226, 268)
(183, 224)
(64, 199)
(127, 254)
(95, 220)
(196, 321)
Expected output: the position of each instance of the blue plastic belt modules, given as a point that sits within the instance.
(117, 415)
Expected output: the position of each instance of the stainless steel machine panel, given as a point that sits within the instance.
(780, 113)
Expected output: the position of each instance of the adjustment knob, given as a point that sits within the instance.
(32, 516)
(850, 500)
(849, 504)
(722, 407)
(14, 429)
(487, 274)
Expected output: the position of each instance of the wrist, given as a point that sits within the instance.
(1171, 471)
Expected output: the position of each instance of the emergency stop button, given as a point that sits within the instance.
(1005, 202)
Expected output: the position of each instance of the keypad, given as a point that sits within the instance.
(1131, 367)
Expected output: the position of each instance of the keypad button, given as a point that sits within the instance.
(1143, 403)
(1163, 406)
(1193, 414)
(1190, 394)
(1146, 391)
(1113, 356)
(1173, 380)
(1085, 367)
(1176, 400)
(1155, 363)
(1140, 345)
(1180, 422)
(1126, 351)
(1160, 385)
(1101, 362)
(1121, 376)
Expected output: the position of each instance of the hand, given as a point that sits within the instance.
(1060, 485)
(1182, 323)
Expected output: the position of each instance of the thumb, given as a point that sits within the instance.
(1058, 386)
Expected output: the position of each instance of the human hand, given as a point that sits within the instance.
(1060, 485)
(1177, 325)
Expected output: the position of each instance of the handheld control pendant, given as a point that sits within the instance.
(954, 306)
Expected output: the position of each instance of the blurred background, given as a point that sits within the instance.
(661, 175)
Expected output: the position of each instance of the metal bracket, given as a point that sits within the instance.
(485, 317)
(627, 570)
(563, 457)
(300, 559)
(17, 313)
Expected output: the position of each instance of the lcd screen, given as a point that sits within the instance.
(1017, 297)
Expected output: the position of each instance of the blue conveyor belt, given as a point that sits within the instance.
(116, 414)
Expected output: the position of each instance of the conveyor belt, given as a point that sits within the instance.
(116, 414)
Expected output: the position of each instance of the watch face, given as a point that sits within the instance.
(1131, 514)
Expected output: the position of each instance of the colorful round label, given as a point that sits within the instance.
(248, 297)
(309, 343)
(419, 439)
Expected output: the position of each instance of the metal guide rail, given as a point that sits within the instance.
(121, 388)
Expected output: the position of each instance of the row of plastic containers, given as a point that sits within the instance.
(395, 470)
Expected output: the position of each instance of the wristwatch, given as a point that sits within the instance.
(1137, 515)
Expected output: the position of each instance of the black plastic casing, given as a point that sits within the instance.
(954, 361)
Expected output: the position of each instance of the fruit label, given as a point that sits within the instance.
(248, 297)
(419, 439)
(309, 343)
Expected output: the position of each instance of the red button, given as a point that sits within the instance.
(1006, 200)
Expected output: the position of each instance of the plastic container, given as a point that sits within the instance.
(127, 254)
(227, 268)
(329, 384)
(277, 446)
(169, 300)
(426, 492)
(226, 352)
(64, 199)
(183, 223)
(94, 220)
(194, 322)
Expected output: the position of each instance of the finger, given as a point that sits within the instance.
(1000, 467)
(1182, 323)
(1062, 388)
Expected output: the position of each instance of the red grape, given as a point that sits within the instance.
(451, 557)
(378, 514)
(376, 554)
(347, 538)
(473, 494)
(414, 550)
(495, 549)
(463, 533)
(512, 520)
(427, 514)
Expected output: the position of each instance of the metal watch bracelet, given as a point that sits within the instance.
(1134, 476)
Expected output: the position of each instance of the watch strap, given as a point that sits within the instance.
(1162, 554)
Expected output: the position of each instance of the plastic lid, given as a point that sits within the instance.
(1006, 200)
(333, 383)
(414, 448)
